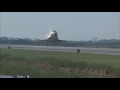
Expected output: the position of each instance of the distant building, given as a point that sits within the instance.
(94, 39)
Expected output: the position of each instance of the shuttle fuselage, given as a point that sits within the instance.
(52, 37)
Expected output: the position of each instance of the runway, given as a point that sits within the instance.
(65, 49)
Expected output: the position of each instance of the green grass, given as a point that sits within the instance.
(51, 64)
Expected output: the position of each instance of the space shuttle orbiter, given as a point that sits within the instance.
(52, 37)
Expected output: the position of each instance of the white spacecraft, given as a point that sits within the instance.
(52, 37)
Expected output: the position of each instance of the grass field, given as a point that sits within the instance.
(51, 64)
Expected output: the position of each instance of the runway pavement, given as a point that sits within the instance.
(65, 49)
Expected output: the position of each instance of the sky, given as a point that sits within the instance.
(69, 25)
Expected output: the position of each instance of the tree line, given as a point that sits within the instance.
(112, 43)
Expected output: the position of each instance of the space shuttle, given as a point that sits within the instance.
(52, 37)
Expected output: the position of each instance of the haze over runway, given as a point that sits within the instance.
(69, 25)
(65, 49)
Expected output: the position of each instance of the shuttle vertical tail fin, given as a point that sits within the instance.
(50, 29)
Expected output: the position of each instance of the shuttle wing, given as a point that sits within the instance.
(52, 41)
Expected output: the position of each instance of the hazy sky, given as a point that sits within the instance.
(69, 25)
